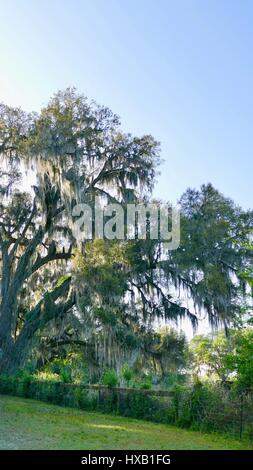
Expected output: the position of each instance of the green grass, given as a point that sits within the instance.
(28, 424)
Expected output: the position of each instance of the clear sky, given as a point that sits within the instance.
(180, 70)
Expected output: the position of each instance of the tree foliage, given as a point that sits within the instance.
(227, 358)
(104, 297)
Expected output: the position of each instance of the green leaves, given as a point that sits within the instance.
(213, 252)
(110, 378)
(240, 360)
(228, 358)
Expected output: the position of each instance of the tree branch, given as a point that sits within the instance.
(48, 258)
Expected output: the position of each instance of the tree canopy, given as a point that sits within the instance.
(104, 296)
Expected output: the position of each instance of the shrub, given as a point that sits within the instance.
(173, 379)
(47, 376)
(146, 385)
(110, 378)
(127, 373)
(65, 375)
(71, 368)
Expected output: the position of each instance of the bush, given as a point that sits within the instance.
(110, 378)
(65, 375)
(127, 373)
(173, 379)
(71, 368)
(147, 383)
(85, 399)
(47, 376)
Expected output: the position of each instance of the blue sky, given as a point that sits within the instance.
(180, 70)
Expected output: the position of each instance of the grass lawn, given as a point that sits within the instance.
(28, 424)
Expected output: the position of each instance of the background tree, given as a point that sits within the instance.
(239, 360)
(213, 252)
(209, 356)
(225, 358)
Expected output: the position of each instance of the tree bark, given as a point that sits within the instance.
(13, 355)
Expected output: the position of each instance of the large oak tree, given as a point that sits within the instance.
(77, 151)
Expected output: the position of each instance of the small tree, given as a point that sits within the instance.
(225, 357)
(209, 356)
(240, 359)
